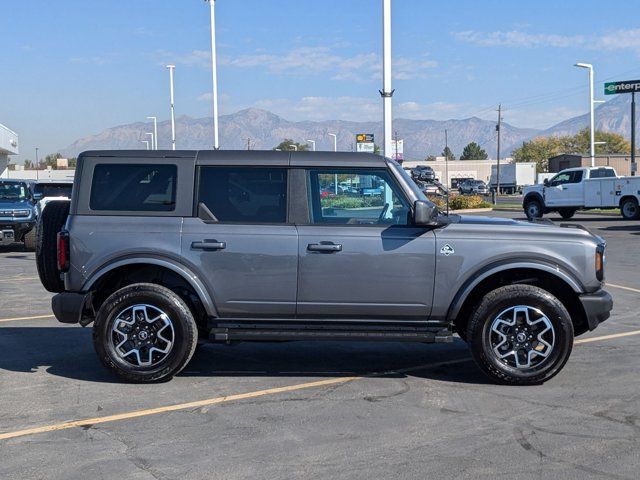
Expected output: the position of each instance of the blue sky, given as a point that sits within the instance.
(73, 68)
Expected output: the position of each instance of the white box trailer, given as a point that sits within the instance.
(513, 176)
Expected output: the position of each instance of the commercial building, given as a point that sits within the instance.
(458, 169)
(621, 162)
(8, 146)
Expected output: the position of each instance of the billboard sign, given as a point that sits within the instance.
(365, 143)
(629, 86)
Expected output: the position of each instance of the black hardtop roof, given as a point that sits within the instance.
(250, 157)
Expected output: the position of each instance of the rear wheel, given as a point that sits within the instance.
(629, 209)
(567, 213)
(145, 333)
(50, 222)
(533, 209)
(520, 335)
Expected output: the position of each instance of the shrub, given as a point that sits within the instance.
(460, 202)
(343, 201)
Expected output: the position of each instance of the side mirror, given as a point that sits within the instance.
(545, 182)
(424, 213)
(37, 197)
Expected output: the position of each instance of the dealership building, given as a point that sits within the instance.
(8, 146)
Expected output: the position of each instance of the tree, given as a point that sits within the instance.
(430, 158)
(473, 152)
(28, 164)
(448, 154)
(540, 149)
(376, 149)
(287, 144)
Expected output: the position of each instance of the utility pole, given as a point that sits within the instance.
(498, 127)
(214, 74)
(173, 112)
(395, 145)
(335, 149)
(386, 93)
(446, 166)
(37, 161)
(248, 144)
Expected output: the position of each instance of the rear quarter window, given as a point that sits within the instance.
(133, 187)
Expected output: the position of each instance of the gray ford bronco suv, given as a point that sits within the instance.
(163, 249)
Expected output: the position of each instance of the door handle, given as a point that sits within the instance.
(324, 247)
(208, 245)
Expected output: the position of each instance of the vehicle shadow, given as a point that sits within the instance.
(68, 352)
(633, 229)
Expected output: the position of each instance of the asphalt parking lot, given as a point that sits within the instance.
(318, 410)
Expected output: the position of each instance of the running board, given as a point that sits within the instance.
(232, 332)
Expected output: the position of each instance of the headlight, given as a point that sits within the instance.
(21, 213)
(600, 262)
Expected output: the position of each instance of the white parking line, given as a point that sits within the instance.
(15, 319)
(622, 287)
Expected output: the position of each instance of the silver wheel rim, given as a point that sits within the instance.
(533, 210)
(142, 335)
(629, 209)
(521, 337)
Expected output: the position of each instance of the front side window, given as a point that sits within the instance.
(560, 179)
(359, 197)
(244, 194)
(134, 188)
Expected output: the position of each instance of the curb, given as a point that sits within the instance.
(472, 210)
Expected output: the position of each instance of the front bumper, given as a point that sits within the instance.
(597, 307)
(14, 231)
(72, 307)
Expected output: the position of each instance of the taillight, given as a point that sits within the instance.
(63, 251)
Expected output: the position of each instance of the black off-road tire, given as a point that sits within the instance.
(533, 209)
(567, 213)
(181, 317)
(50, 222)
(503, 298)
(29, 240)
(629, 209)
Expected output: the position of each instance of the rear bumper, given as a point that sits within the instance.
(72, 307)
(597, 307)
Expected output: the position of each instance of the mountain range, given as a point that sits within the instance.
(263, 130)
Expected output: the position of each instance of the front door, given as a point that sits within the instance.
(359, 255)
(242, 246)
(564, 190)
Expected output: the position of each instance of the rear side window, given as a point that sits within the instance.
(603, 173)
(244, 194)
(135, 188)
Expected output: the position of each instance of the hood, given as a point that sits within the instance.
(9, 203)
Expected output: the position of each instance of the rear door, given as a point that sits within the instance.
(359, 255)
(241, 243)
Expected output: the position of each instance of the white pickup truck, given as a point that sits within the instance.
(583, 189)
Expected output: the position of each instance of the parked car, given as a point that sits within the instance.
(160, 248)
(584, 188)
(424, 173)
(473, 187)
(46, 191)
(17, 212)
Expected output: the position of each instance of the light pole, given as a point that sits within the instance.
(386, 93)
(313, 144)
(335, 141)
(592, 145)
(152, 137)
(173, 112)
(214, 73)
(146, 142)
(155, 131)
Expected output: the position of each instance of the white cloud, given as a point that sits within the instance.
(620, 39)
(303, 61)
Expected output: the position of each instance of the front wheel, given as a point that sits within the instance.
(145, 333)
(533, 209)
(520, 335)
(629, 209)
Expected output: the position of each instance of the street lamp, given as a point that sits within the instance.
(155, 131)
(146, 142)
(152, 144)
(313, 144)
(214, 73)
(592, 145)
(386, 93)
(173, 112)
(335, 141)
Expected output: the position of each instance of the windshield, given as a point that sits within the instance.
(13, 191)
(54, 189)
